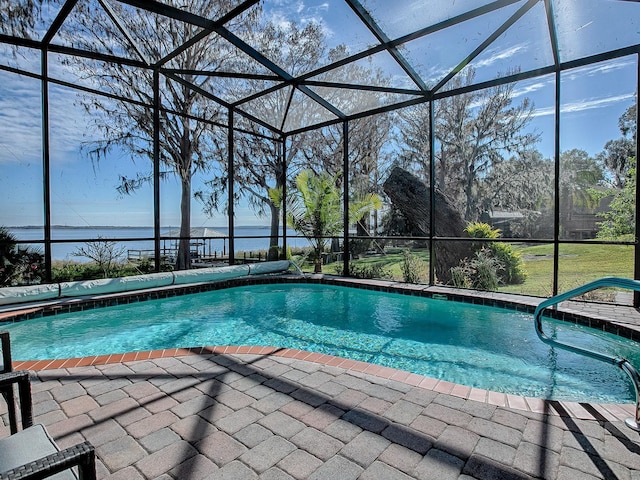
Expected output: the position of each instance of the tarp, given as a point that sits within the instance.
(30, 293)
(115, 285)
(213, 274)
(11, 295)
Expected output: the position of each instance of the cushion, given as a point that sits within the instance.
(28, 445)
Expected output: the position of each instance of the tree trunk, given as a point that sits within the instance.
(274, 237)
(183, 260)
(317, 265)
(412, 197)
(469, 213)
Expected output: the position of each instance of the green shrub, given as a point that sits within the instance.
(482, 272)
(365, 271)
(512, 272)
(482, 230)
(73, 271)
(487, 269)
(414, 269)
(460, 276)
(145, 266)
(511, 269)
(69, 271)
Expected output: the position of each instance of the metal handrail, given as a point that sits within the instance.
(623, 363)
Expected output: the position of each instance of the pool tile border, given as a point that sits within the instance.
(583, 411)
(573, 312)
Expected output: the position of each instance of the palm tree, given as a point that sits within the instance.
(18, 265)
(7, 256)
(314, 210)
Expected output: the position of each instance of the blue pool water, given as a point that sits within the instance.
(484, 347)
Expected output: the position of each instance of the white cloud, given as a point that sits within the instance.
(498, 55)
(586, 104)
(523, 90)
(21, 121)
(598, 69)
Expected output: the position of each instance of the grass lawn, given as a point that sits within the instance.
(578, 264)
(391, 263)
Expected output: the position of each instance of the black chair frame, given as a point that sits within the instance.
(81, 455)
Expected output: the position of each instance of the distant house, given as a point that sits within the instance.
(581, 223)
(577, 222)
(503, 220)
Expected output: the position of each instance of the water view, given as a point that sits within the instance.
(250, 239)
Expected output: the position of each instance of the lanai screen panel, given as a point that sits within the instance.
(320, 52)
(285, 68)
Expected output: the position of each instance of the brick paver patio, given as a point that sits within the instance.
(270, 416)
(265, 413)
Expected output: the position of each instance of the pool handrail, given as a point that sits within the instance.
(297, 268)
(623, 363)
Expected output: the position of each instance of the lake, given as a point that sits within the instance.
(137, 238)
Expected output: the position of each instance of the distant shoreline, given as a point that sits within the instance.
(67, 238)
(111, 227)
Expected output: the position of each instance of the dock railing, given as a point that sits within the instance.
(624, 364)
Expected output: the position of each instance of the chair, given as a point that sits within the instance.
(31, 453)
(7, 393)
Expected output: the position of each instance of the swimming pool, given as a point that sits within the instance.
(479, 346)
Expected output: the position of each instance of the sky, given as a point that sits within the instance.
(84, 193)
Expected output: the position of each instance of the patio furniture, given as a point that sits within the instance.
(7, 392)
(31, 453)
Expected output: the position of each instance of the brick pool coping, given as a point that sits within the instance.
(587, 411)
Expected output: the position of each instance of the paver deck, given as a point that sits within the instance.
(275, 416)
